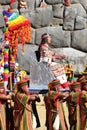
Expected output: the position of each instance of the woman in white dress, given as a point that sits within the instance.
(47, 56)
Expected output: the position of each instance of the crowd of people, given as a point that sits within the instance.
(65, 101)
(66, 110)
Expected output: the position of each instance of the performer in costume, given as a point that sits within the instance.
(47, 56)
(55, 102)
(22, 107)
(74, 105)
(83, 105)
(3, 100)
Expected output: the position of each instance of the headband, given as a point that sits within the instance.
(45, 36)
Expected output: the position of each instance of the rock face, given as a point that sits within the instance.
(66, 24)
(79, 37)
(41, 17)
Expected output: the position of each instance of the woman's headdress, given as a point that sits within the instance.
(45, 35)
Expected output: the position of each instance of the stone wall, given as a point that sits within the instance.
(66, 24)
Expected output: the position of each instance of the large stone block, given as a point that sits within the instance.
(80, 10)
(41, 17)
(56, 21)
(79, 40)
(84, 4)
(58, 11)
(80, 23)
(23, 58)
(69, 18)
(60, 38)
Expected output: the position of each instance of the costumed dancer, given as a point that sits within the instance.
(23, 113)
(20, 75)
(74, 105)
(56, 107)
(83, 105)
(3, 99)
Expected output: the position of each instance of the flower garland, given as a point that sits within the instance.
(19, 29)
(6, 64)
(16, 31)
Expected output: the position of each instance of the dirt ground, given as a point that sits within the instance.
(41, 113)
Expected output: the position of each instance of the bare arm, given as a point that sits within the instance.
(5, 97)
